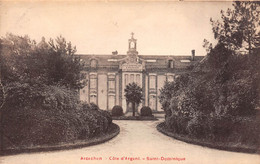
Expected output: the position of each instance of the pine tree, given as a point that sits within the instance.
(239, 28)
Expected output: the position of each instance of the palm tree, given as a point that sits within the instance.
(133, 94)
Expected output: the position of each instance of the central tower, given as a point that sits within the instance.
(132, 46)
(132, 67)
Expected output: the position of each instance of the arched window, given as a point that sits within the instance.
(93, 63)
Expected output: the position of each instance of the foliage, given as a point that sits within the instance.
(117, 111)
(238, 28)
(223, 89)
(133, 94)
(93, 106)
(218, 99)
(49, 115)
(33, 95)
(146, 111)
(2, 95)
(53, 63)
(40, 83)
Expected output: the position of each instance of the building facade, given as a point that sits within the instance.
(108, 76)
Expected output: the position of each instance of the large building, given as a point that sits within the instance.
(108, 76)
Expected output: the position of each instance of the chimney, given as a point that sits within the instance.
(114, 52)
(192, 55)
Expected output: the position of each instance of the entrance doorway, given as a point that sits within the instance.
(130, 107)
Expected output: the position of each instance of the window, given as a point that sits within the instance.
(111, 85)
(93, 99)
(138, 82)
(126, 79)
(152, 82)
(83, 91)
(131, 78)
(132, 45)
(170, 64)
(93, 83)
(93, 63)
(111, 102)
(152, 102)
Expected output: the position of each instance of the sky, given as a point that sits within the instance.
(161, 28)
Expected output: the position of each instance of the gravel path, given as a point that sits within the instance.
(138, 140)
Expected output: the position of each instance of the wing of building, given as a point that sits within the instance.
(108, 76)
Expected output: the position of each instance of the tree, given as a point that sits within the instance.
(2, 102)
(239, 27)
(133, 94)
(14, 51)
(235, 75)
(51, 63)
(27, 65)
(62, 66)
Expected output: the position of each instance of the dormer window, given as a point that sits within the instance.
(93, 63)
(170, 64)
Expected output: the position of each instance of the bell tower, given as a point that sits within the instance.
(132, 46)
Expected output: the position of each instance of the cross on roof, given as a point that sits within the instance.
(132, 35)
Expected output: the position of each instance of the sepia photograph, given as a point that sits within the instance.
(129, 82)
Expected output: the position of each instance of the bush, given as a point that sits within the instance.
(177, 124)
(206, 102)
(117, 110)
(93, 106)
(35, 95)
(199, 127)
(49, 115)
(85, 106)
(42, 104)
(146, 111)
(107, 115)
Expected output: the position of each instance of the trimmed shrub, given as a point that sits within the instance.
(108, 116)
(93, 106)
(117, 110)
(85, 106)
(146, 111)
